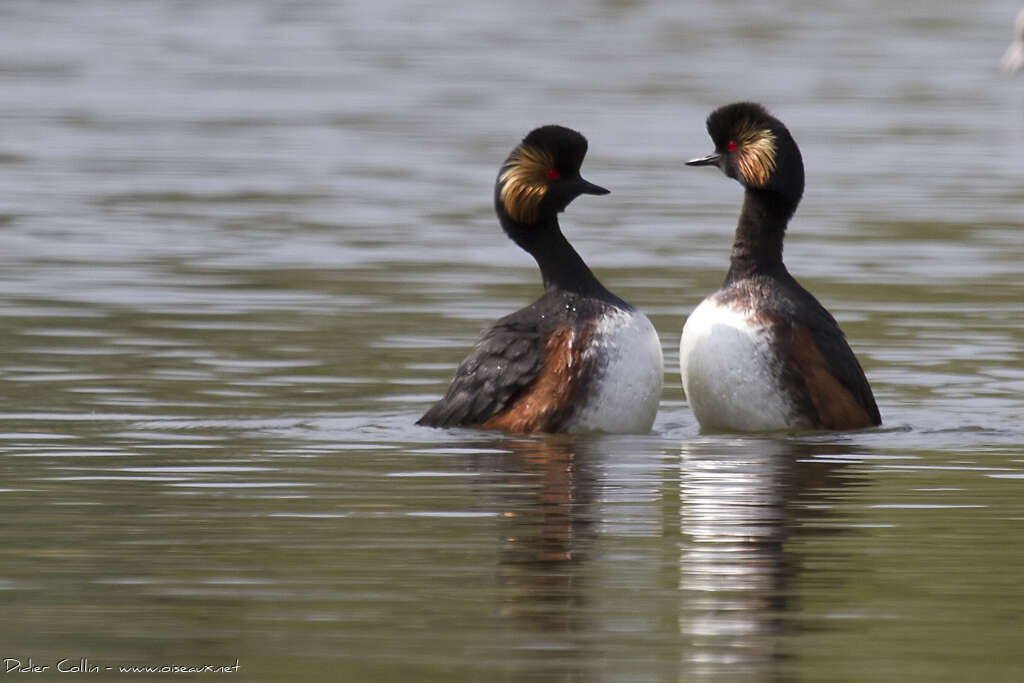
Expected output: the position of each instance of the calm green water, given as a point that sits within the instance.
(245, 244)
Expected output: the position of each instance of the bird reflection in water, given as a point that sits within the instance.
(740, 502)
(598, 544)
(547, 525)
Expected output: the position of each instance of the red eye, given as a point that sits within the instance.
(552, 174)
(731, 147)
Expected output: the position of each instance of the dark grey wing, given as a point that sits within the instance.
(829, 364)
(507, 358)
(844, 366)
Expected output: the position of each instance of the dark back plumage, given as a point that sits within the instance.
(519, 377)
(507, 359)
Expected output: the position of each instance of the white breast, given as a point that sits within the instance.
(731, 373)
(626, 390)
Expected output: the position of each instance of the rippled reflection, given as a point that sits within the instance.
(738, 509)
(546, 506)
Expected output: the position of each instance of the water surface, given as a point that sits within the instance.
(246, 243)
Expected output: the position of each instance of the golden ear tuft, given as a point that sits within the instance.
(756, 156)
(524, 182)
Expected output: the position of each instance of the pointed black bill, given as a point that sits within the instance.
(587, 187)
(709, 160)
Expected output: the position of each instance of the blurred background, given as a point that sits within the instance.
(245, 244)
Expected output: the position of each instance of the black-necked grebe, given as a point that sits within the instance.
(761, 354)
(579, 358)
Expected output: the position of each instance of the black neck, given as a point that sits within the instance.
(757, 247)
(561, 266)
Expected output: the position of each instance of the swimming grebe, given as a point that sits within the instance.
(579, 358)
(761, 354)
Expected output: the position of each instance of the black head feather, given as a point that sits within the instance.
(566, 146)
(727, 122)
(542, 175)
(756, 149)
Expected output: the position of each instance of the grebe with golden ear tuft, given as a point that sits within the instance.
(761, 354)
(579, 358)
